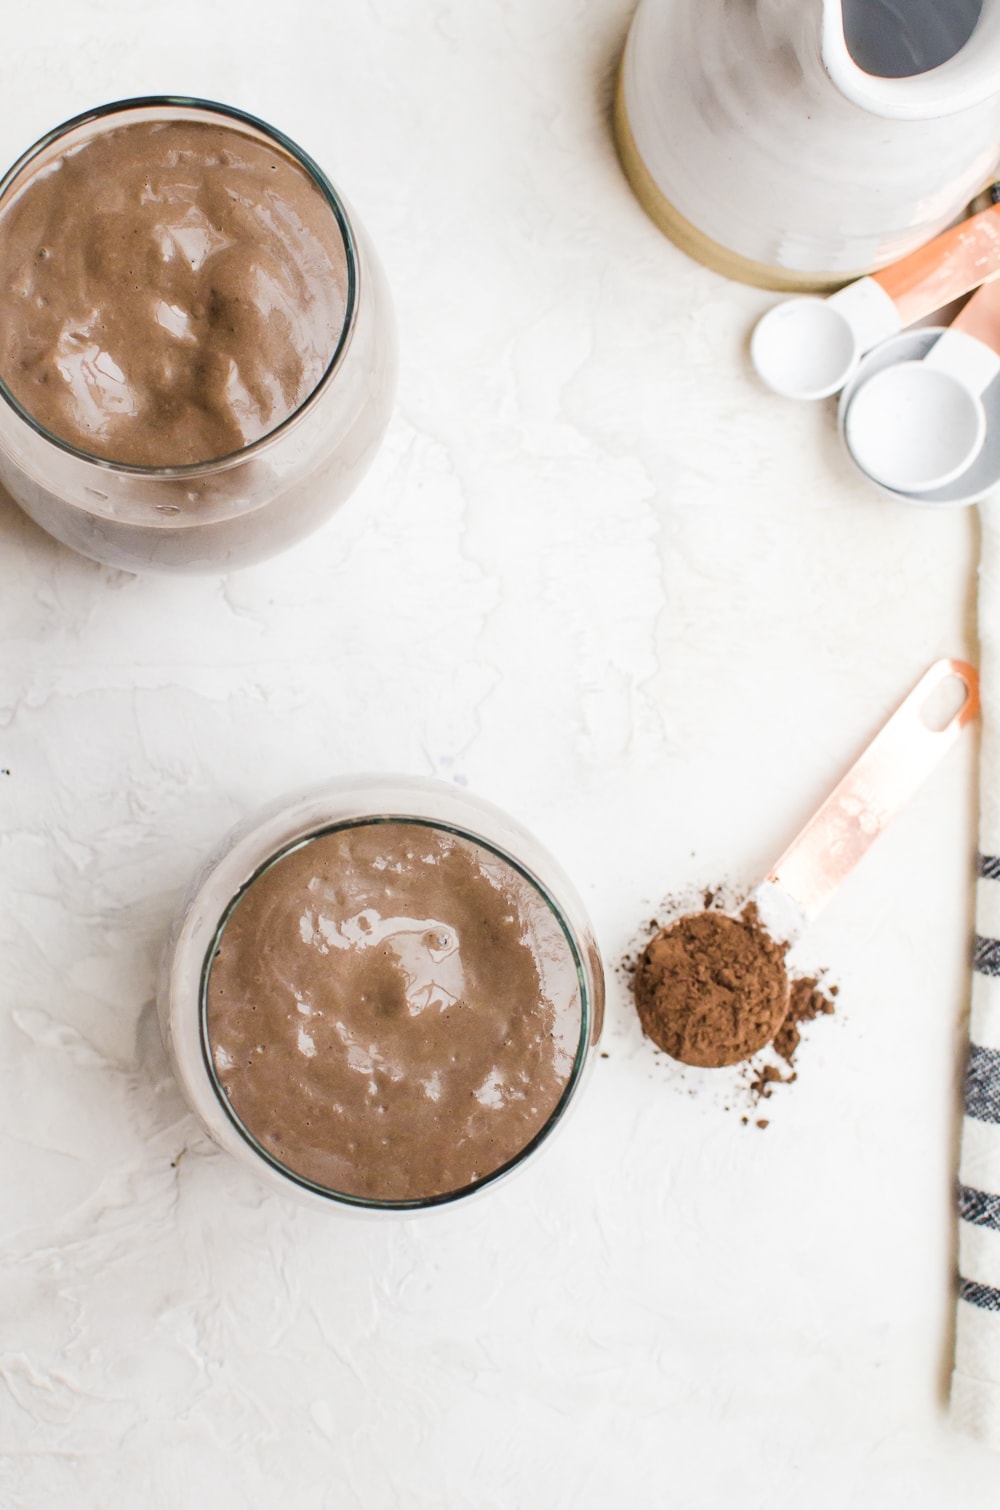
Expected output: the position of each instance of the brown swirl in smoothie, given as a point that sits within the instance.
(169, 292)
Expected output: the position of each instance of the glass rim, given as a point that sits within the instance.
(326, 188)
(416, 1203)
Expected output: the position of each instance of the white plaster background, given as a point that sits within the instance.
(603, 578)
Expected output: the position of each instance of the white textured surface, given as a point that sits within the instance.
(605, 578)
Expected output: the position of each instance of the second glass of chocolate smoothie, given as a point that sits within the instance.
(381, 996)
(197, 348)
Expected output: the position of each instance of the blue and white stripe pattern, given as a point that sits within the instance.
(975, 1398)
(975, 1391)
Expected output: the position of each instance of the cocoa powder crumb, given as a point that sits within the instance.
(767, 1078)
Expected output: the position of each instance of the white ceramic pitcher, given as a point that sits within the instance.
(756, 139)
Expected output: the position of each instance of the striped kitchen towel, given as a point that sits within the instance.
(975, 1389)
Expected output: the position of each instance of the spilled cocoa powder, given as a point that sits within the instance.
(713, 988)
(807, 1000)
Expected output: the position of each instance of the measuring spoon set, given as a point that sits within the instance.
(919, 409)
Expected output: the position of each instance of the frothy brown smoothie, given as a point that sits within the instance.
(393, 1011)
(169, 292)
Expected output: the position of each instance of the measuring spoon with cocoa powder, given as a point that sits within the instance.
(712, 988)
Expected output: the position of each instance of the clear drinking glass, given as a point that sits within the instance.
(242, 508)
(246, 853)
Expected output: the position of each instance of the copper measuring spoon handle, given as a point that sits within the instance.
(861, 805)
(943, 269)
(981, 316)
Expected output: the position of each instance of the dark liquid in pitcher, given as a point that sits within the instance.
(895, 39)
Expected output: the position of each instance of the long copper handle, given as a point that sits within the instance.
(981, 316)
(943, 269)
(881, 782)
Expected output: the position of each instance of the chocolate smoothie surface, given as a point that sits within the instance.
(393, 1011)
(169, 292)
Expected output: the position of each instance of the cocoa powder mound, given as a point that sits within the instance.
(711, 989)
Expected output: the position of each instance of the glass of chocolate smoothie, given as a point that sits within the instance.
(197, 347)
(382, 995)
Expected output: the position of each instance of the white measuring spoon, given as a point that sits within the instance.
(919, 425)
(808, 347)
